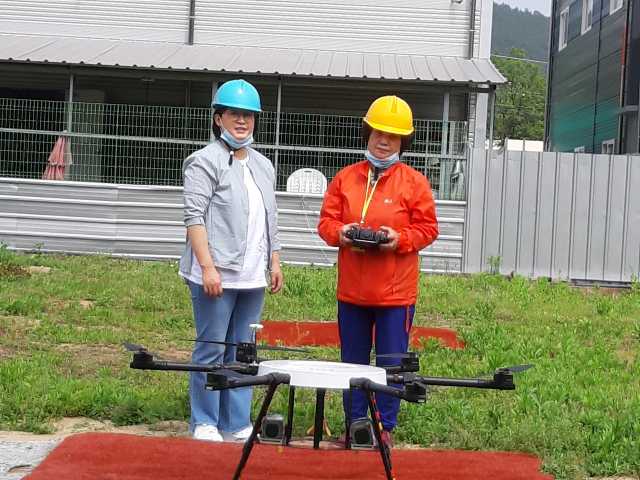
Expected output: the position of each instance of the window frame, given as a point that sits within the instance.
(563, 38)
(585, 9)
(612, 3)
(580, 149)
(609, 143)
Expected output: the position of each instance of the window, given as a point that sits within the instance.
(615, 5)
(587, 15)
(564, 28)
(579, 149)
(608, 147)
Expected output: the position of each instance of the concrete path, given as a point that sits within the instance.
(18, 459)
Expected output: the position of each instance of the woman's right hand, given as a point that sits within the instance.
(342, 234)
(211, 281)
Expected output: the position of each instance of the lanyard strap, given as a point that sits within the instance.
(368, 197)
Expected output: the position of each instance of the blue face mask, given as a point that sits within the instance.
(236, 144)
(382, 163)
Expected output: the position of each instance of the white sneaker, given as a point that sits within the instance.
(240, 436)
(209, 433)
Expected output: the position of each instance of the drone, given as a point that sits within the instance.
(250, 370)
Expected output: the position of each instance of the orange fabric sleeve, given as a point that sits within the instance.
(423, 228)
(331, 213)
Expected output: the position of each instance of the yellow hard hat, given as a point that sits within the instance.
(390, 114)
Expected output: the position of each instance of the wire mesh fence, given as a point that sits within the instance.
(137, 144)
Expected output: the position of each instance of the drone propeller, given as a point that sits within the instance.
(396, 355)
(281, 349)
(227, 344)
(259, 347)
(514, 369)
(138, 349)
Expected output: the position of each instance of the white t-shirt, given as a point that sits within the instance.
(254, 268)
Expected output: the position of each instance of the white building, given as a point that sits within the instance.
(318, 64)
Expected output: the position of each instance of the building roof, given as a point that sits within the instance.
(256, 60)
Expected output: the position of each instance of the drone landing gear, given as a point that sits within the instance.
(248, 445)
(385, 451)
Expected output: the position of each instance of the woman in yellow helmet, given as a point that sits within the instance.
(378, 284)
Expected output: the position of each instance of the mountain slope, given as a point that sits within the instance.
(513, 27)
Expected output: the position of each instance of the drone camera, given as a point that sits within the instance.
(272, 431)
(245, 352)
(216, 381)
(362, 436)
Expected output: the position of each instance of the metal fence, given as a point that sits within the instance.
(146, 145)
(558, 215)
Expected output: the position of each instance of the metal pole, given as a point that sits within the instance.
(69, 127)
(192, 21)
(492, 115)
(275, 161)
(214, 90)
(445, 165)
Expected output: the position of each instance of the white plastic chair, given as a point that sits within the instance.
(307, 180)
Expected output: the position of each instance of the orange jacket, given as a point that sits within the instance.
(402, 201)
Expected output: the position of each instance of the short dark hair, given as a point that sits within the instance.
(407, 140)
(221, 110)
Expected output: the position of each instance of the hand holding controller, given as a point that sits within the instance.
(366, 237)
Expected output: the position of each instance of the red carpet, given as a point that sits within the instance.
(323, 334)
(103, 456)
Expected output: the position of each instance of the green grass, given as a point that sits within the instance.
(577, 409)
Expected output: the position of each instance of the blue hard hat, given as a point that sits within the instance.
(237, 94)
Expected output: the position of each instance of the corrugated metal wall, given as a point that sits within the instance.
(555, 215)
(436, 27)
(153, 20)
(146, 222)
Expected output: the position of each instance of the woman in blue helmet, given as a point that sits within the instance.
(232, 242)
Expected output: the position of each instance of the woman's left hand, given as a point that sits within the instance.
(392, 235)
(276, 274)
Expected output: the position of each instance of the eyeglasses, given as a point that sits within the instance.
(236, 115)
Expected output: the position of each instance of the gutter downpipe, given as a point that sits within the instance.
(623, 74)
(547, 97)
(192, 21)
(472, 29)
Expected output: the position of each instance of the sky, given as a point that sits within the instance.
(543, 6)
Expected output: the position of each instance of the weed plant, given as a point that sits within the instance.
(61, 356)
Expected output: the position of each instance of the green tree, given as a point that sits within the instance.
(519, 103)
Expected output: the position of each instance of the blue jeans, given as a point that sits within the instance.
(356, 336)
(225, 319)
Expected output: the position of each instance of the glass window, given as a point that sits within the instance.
(615, 5)
(564, 28)
(587, 15)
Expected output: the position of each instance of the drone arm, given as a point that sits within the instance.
(217, 382)
(366, 384)
(174, 366)
(145, 362)
(496, 383)
(268, 379)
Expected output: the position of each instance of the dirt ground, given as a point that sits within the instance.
(71, 426)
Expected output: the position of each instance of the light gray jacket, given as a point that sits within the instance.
(215, 196)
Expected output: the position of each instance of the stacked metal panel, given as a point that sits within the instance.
(146, 222)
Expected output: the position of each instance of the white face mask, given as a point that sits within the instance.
(234, 143)
(384, 162)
